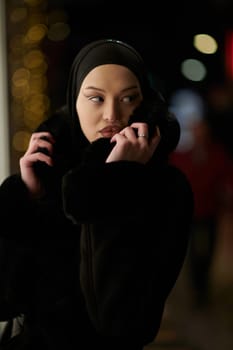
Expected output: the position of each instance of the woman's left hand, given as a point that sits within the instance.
(132, 144)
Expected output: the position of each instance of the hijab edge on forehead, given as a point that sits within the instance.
(108, 51)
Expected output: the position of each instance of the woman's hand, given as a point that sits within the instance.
(40, 149)
(132, 144)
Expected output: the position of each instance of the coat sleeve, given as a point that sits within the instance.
(13, 206)
(25, 225)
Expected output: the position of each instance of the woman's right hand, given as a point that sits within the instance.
(40, 149)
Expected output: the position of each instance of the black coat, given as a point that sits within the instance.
(94, 260)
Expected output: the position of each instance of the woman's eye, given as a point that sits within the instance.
(96, 99)
(128, 99)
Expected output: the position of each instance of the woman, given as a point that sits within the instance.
(103, 219)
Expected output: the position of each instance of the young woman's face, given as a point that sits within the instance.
(106, 100)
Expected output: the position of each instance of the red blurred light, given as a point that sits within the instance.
(229, 54)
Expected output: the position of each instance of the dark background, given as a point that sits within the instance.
(162, 31)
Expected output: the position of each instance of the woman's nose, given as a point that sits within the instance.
(111, 111)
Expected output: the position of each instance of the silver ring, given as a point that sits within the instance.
(142, 135)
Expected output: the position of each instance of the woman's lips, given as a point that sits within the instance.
(109, 131)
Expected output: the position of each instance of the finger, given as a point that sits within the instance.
(41, 140)
(30, 159)
(156, 137)
(131, 133)
(118, 137)
(43, 135)
(40, 146)
(143, 136)
(141, 129)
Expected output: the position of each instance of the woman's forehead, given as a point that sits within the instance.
(111, 75)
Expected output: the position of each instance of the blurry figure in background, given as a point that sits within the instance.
(209, 168)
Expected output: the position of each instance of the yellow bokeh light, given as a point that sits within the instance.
(36, 33)
(33, 59)
(205, 43)
(18, 14)
(20, 92)
(20, 140)
(20, 77)
(38, 84)
(32, 119)
(38, 103)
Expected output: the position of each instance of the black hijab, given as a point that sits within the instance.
(110, 51)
